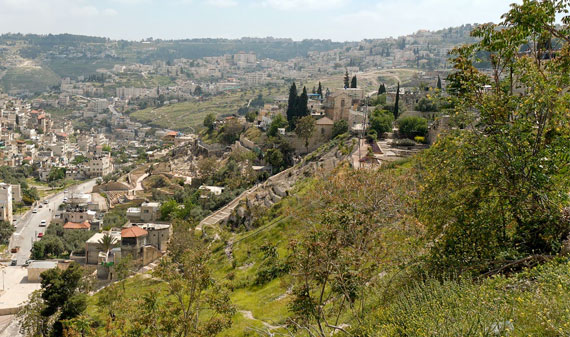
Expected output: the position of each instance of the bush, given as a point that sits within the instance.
(426, 105)
(339, 127)
(6, 230)
(371, 136)
(381, 121)
(403, 142)
(413, 126)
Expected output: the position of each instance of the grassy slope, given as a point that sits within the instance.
(33, 79)
(531, 303)
(75, 68)
(187, 115)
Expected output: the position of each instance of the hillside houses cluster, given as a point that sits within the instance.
(28, 136)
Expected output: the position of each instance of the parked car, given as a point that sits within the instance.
(35, 210)
(41, 206)
(14, 262)
(43, 223)
(40, 235)
(46, 202)
(15, 249)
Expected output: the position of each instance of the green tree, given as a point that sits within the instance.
(277, 123)
(48, 246)
(250, 116)
(79, 160)
(397, 103)
(168, 209)
(209, 121)
(320, 90)
(381, 121)
(339, 127)
(106, 243)
(381, 89)
(346, 80)
(353, 82)
(6, 230)
(336, 259)
(427, 105)
(493, 191)
(411, 127)
(438, 82)
(302, 108)
(275, 158)
(305, 128)
(292, 105)
(198, 91)
(56, 174)
(201, 307)
(61, 297)
(231, 130)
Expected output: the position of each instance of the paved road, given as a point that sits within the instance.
(28, 227)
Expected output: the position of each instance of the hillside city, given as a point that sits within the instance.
(409, 186)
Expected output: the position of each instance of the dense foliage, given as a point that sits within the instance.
(413, 126)
(493, 191)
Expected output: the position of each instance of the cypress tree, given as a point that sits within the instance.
(382, 89)
(438, 82)
(346, 79)
(353, 82)
(396, 105)
(320, 90)
(292, 104)
(302, 109)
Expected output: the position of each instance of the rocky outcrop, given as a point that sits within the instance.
(278, 186)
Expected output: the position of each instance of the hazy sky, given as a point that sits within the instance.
(338, 20)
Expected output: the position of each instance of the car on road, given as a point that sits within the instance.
(65, 191)
(43, 223)
(27, 263)
(15, 249)
(41, 206)
(40, 235)
(46, 202)
(14, 263)
(35, 210)
(65, 199)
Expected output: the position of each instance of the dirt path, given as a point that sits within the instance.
(249, 315)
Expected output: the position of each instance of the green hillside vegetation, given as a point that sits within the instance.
(468, 238)
(79, 67)
(190, 115)
(28, 78)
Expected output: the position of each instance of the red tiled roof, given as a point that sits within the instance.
(172, 133)
(61, 134)
(74, 225)
(133, 232)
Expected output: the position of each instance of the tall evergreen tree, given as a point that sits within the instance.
(302, 109)
(353, 82)
(346, 80)
(396, 105)
(382, 89)
(438, 82)
(292, 104)
(320, 90)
